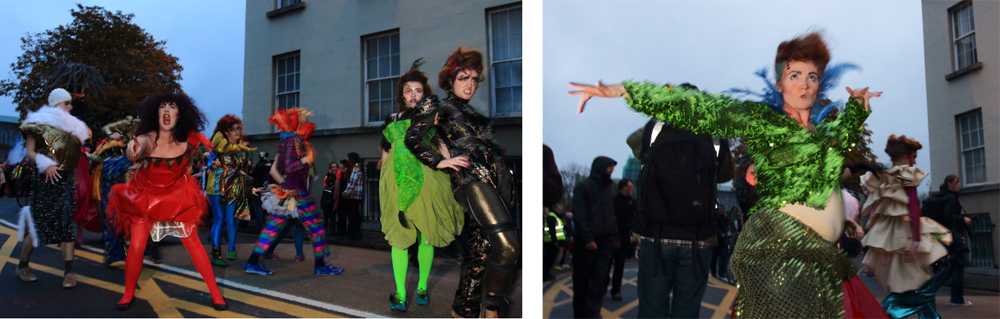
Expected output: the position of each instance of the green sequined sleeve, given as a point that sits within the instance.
(697, 111)
(849, 125)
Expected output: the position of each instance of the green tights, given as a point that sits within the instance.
(400, 261)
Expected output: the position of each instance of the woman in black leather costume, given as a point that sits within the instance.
(483, 184)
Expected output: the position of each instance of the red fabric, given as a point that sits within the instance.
(914, 207)
(159, 192)
(859, 302)
(85, 211)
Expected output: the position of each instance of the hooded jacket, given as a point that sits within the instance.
(594, 210)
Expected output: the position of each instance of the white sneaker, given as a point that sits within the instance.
(964, 304)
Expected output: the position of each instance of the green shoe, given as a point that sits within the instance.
(232, 255)
(217, 257)
(422, 298)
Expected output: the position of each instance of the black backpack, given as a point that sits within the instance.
(677, 180)
(933, 208)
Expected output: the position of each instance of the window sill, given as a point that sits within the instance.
(979, 188)
(966, 70)
(281, 11)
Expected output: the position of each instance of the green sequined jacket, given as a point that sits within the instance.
(792, 164)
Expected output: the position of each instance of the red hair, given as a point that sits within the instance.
(897, 147)
(225, 123)
(460, 59)
(804, 48)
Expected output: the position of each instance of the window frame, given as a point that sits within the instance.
(953, 19)
(494, 82)
(965, 150)
(277, 60)
(278, 3)
(393, 78)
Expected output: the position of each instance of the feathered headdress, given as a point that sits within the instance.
(294, 122)
(771, 97)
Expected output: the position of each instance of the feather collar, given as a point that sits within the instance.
(60, 119)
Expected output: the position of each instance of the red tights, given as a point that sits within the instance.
(137, 246)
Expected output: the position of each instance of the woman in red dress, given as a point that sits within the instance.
(162, 198)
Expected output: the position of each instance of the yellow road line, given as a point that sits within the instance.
(151, 292)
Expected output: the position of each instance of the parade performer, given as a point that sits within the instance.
(484, 185)
(162, 198)
(785, 258)
(290, 198)
(111, 167)
(902, 245)
(428, 214)
(53, 139)
(229, 184)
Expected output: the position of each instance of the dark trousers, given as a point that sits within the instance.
(590, 277)
(623, 253)
(956, 267)
(676, 274)
(260, 217)
(549, 252)
(349, 217)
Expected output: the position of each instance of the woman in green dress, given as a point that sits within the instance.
(416, 201)
(785, 260)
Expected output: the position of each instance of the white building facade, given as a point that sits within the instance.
(962, 56)
(341, 59)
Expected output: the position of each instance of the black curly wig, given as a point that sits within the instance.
(190, 119)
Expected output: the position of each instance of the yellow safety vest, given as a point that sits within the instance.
(560, 233)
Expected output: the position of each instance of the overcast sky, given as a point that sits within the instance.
(206, 36)
(718, 45)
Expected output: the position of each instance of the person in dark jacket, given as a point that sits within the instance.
(958, 225)
(552, 192)
(624, 208)
(257, 176)
(596, 238)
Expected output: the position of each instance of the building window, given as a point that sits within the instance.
(286, 81)
(381, 74)
(972, 146)
(372, 210)
(278, 4)
(963, 35)
(505, 57)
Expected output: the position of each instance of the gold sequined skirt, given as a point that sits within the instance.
(787, 270)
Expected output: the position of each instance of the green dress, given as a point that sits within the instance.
(784, 268)
(421, 193)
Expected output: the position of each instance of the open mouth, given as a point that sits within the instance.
(467, 91)
(413, 101)
(166, 119)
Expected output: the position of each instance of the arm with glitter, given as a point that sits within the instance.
(696, 111)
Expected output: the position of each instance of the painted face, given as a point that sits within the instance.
(465, 83)
(799, 84)
(65, 105)
(168, 116)
(413, 91)
(234, 133)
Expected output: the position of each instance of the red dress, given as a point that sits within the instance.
(161, 190)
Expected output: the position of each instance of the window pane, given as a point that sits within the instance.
(281, 67)
(500, 48)
(371, 48)
(516, 96)
(372, 69)
(372, 91)
(395, 44)
(386, 89)
(502, 75)
(395, 64)
(281, 84)
(383, 66)
(383, 46)
(499, 24)
(515, 72)
(514, 41)
(386, 109)
(514, 24)
(373, 112)
(504, 101)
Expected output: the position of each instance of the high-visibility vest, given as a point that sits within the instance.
(560, 233)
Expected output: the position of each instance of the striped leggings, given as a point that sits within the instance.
(311, 218)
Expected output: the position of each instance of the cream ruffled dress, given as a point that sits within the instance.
(889, 233)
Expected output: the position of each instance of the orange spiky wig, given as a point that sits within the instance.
(294, 122)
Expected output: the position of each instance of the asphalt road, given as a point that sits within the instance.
(174, 289)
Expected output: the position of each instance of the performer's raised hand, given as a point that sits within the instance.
(586, 92)
(455, 163)
(862, 96)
